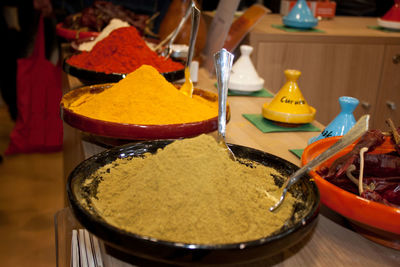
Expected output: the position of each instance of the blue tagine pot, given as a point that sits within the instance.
(300, 16)
(343, 122)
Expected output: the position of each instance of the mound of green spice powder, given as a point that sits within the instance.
(191, 192)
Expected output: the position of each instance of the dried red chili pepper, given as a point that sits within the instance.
(374, 196)
(382, 165)
(344, 183)
(388, 188)
(381, 171)
(370, 139)
(123, 51)
(396, 145)
(390, 192)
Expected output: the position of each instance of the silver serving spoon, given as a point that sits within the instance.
(223, 65)
(355, 132)
(187, 87)
(166, 52)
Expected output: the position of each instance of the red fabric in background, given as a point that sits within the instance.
(38, 126)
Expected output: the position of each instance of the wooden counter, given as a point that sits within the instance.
(332, 243)
(347, 59)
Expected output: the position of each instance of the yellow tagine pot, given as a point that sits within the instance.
(289, 105)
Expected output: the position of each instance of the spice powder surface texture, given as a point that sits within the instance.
(122, 51)
(144, 97)
(191, 192)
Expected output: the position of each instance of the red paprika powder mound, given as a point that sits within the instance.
(123, 51)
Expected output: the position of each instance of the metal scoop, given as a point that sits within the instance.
(166, 51)
(187, 87)
(223, 65)
(355, 132)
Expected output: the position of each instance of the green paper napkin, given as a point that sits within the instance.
(289, 29)
(267, 126)
(297, 152)
(261, 93)
(379, 28)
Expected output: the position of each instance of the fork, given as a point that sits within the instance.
(85, 249)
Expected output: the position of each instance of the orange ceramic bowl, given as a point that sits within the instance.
(359, 210)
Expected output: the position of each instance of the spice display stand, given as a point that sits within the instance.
(332, 243)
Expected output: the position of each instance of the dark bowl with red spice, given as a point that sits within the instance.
(123, 51)
(88, 77)
(146, 251)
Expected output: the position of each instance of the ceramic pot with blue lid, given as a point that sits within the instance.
(300, 16)
(343, 122)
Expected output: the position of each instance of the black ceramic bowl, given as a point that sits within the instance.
(300, 224)
(89, 77)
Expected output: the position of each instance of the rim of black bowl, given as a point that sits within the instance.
(90, 76)
(312, 214)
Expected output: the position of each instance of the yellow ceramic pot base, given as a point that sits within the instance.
(287, 117)
(289, 105)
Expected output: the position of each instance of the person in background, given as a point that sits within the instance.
(44, 6)
(18, 25)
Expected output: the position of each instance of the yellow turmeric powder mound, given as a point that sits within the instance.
(191, 192)
(144, 97)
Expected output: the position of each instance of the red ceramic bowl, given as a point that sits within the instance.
(73, 34)
(372, 217)
(134, 131)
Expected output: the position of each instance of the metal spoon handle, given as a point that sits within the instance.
(355, 132)
(223, 64)
(193, 33)
(180, 25)
(171, 37)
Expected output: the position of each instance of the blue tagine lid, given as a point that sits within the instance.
(300, 16)
(343, 122)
